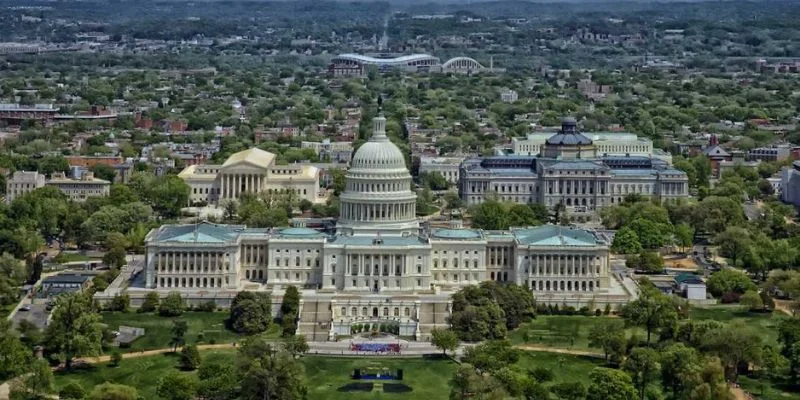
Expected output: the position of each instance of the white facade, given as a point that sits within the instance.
(448, 167)
(22, 182)
(251, 171)
(508, 96)
(606, 143)
(379, 266)
(80, 189)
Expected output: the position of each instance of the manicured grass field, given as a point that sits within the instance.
(766, 325)
(564, 331)
(142, 373)
(767, 390)
(573, 331)
(329, 377)
(158, 330)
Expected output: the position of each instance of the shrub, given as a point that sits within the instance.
(72, 391)
(172, 306)
(190, 358)
(730, 297)
(207, 306)
(150, 303)
(120, 302)
(541, 374)
(116, 358)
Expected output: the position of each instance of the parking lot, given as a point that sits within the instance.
(37, 314)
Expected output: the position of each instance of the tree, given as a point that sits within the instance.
(752, 300)
(729, 281)
(295, 345)
(120, 302)
(684, 236)
(522, 215)
(72, 391)
(569, 391)
(626, 241)
(37, 384)
(269, 374)
(250, 312)
(166, 194)
(177, 386)
(610, 384)
(651, 234)
(444, 340)
(489, 215)
(12, 274)
(190, 358)
(218, 380)
(651, 311)
(643, 366)
(736, 346)
(290, 309)
(16, 358)
(490, 356)
(150, 303)
(172, 306)
(646, 261)
(610, 337)
(677, 361)
(179, 328)
(104, 172)
(466, 384)
(74, 329)
(734, 243)
(112, 391)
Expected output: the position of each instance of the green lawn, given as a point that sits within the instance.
(766, 325)
(158, 330)
(74, 257)
(766, 390)
(565, 331)
(328, 377)
(142, 373)
(568, 331)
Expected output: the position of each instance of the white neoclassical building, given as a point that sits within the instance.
(573, 170)
(379, 265)
(251, 171)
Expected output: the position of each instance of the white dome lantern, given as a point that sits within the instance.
(379, 151)
(378, 196)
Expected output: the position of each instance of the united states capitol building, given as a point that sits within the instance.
(380, 265)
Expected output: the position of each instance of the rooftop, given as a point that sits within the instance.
(458, 234)
(203, 232)
(554, 235)
(67, 278)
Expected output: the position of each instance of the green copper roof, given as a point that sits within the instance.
(552, 235)
(198, 233)
(444, 233)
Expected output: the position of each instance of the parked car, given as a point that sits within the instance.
(25, 308)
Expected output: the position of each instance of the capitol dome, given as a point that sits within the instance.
(379, 152)
(378, 196)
